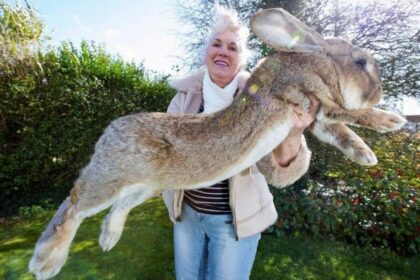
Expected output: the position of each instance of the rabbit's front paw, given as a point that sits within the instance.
(366, 157)
(362, 155)
(389, 121)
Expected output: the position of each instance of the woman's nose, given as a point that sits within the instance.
(223, 52)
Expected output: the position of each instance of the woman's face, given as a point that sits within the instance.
(222, 58)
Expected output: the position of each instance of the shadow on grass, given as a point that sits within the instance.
(145, 251)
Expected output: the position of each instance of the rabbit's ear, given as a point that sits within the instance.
(284, 32)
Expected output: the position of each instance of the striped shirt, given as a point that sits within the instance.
(210, 200)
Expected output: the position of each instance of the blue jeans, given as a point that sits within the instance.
(206, 248)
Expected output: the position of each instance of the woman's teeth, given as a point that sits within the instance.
(222, 63)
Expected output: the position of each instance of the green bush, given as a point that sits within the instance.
(397, 154)
(52, 116)
(40, 212)
(376, 206)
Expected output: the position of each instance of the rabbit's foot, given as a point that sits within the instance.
(388, 121)
(48, 260)
(109, 239)
(112, 228)
(361, 155)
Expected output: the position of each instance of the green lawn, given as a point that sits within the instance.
(145, 252)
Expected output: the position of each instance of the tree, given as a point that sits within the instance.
(20, 40)
(20, 36)
(387, 30)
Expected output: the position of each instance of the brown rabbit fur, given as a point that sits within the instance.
(142, 154)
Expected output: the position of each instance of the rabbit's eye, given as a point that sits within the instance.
(361, 63)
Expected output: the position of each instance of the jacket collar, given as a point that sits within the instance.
(193, 83)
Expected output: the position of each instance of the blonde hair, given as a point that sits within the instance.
(227, 19)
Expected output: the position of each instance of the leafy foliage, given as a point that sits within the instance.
(20, 37)
(51, 119)
(368, 206)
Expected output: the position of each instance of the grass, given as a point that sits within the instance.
(299, 258)
(145, 252)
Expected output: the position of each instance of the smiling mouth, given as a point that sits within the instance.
(221, 63)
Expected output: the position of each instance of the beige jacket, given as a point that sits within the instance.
(250, 199)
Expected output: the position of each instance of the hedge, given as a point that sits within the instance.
(52, 115)
(376, 206)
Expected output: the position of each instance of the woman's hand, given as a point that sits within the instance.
(288, 149)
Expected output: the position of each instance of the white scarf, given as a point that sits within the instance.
(216, 98)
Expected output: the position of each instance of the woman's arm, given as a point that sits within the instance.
(290, 147)
(290, 160)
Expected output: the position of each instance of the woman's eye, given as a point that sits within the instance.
(233, 49)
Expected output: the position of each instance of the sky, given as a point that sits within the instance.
(138, 30)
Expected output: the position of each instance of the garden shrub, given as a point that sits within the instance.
(376, 205)
(52, 116)
(40, 211)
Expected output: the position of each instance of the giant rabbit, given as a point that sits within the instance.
(143, 154)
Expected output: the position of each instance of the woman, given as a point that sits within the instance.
(217, 229)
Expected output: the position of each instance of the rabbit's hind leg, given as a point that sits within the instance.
(52, 248)
(113, 223)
